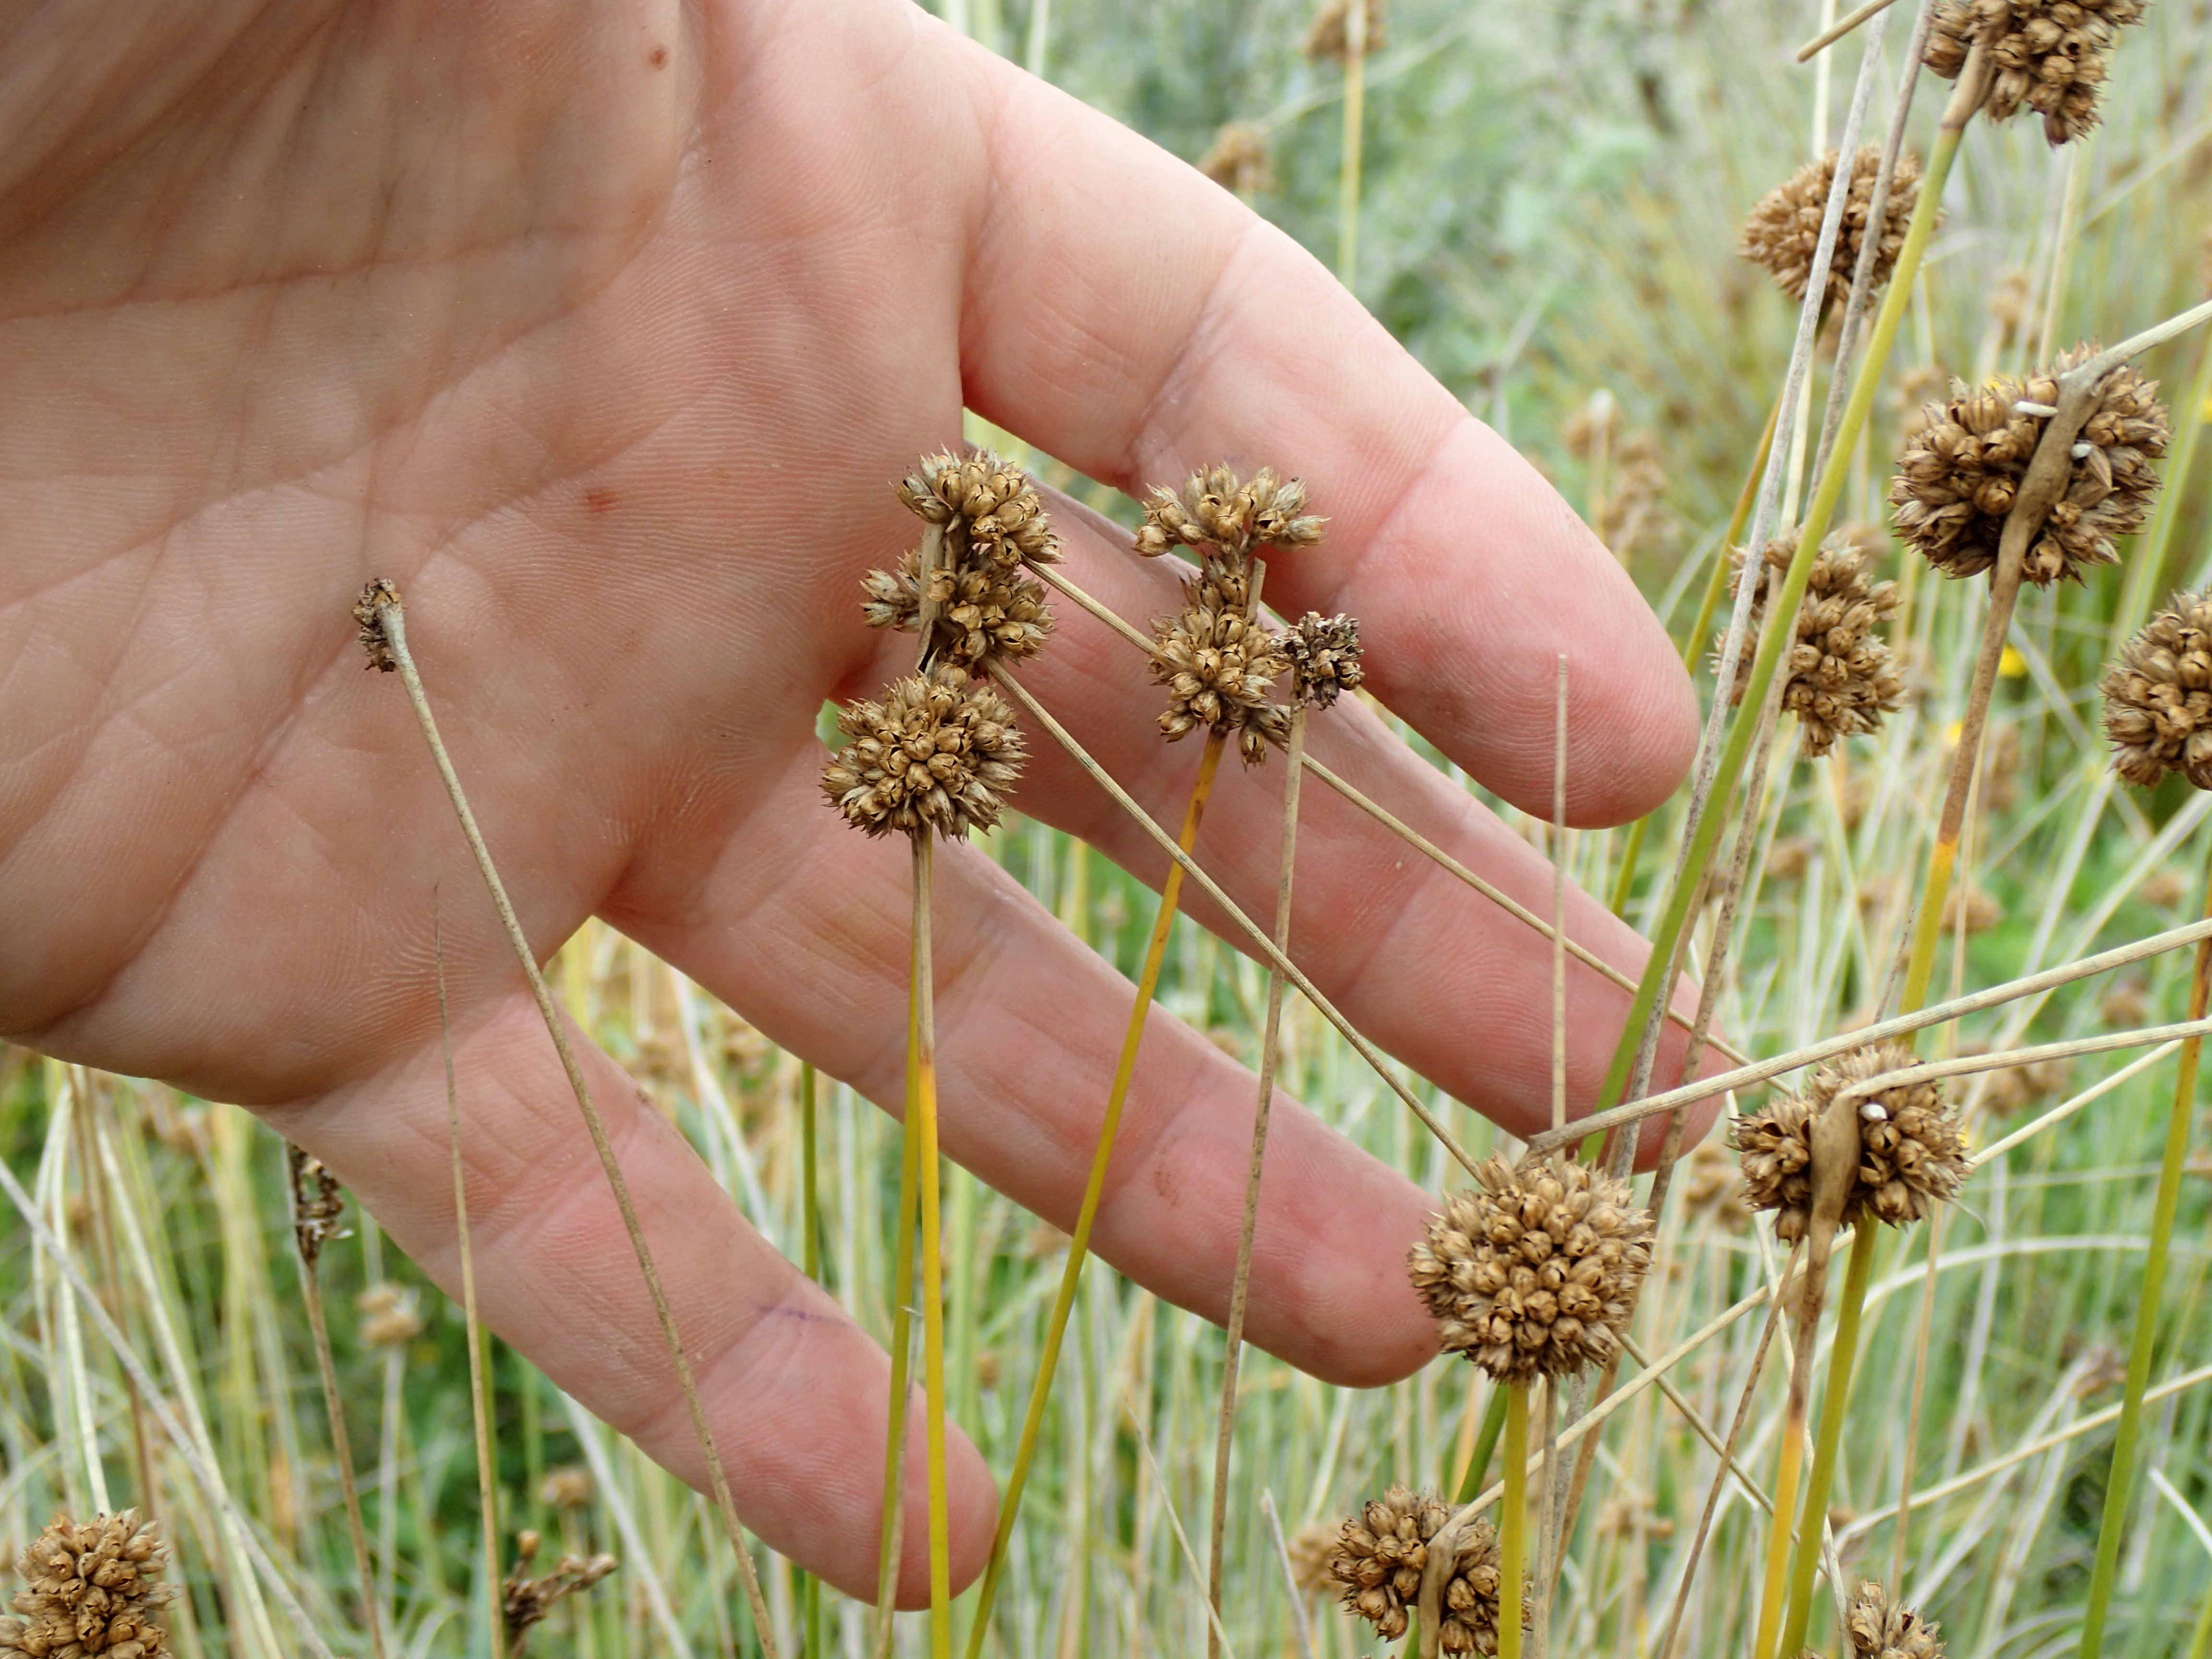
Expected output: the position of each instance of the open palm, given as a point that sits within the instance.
(603, 328)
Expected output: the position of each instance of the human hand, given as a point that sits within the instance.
(604, 330)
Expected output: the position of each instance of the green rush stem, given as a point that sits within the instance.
(901, 1299)
(1094, 1189)
(932, 1267)
(1693, 644)
(1513, 1521)
(311, 1290)
(2145, 1344)
(1667, 943)
(810, 1258)
(479, 1392)
(1486, 1444)
(1240, 1285)
(1843, 1356)
(1355, 125)
(390, 613)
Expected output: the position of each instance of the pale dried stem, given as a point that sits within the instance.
(479, 1396)
(327, 1371)
(1706, 1430)
(1721, 1083)
(1382, 815)
(1250, 929)
(391, 614)
(1744, 1402)
(1820, 42)
(1240, 1285)
(1300, 1624)
(1924, 1333)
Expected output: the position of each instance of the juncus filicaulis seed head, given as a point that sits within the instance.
(1381, 1552)
(1323, 652)
(1840, 675)
(1535, 1271)
(1219, 666)
(1783, 232)
(1881, 1629)
(93, 1589)
(2158, 697)
(1911, 1154)
(1219, 513)
(936, 755)
(1959, 475)
(2048, 56)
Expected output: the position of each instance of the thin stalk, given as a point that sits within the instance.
(1355, 126)
(1828, 37)
(1513, 1521)
(2140, 1352)
(1780, 623)
(1843, 1357)
(1094, 1188)
(479, 1392)
(812, 1636)
(1299, 1623)
(1919, 1394)
(892, 1538)
(1229, 908)
(933, 1266)
(1241, 1285)
(319, 1326)
(391, 618)
(1693, 643)
(1486, 1445)
(1666, 1648)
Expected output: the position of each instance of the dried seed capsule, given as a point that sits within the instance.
(1240, 161)
(1783, 232)
(984, 613)
(2049, 56)
(1535, 1270)
(2158, 697)
(937, 754)
(1842, 677)
(1219, 667)
(1323, 652)
(992, 505)
(93, 1589)
(1330, 35)
(1381, 1553)
(1881, 1631)
(1911, 1155)
(1958, 476)
(1221, 514)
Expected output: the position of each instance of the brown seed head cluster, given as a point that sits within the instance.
(993, 522)
(318, 1204)
(1330, 36)
(1218, 664)
(1782, 232)
(1382, 1553)
(1240, 160)
(1222, 516)
(369, 616)
(2158, 697)
(1310, 1549)
(1324, 658)
(1842, 676)
(526, 1600)
(90, 1590)
(1959, 475)
(1911, 1155)
(1536, 1270)
(935, 755)
(1881, 1629)
(2049, 56)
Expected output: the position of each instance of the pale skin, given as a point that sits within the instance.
(605, 329)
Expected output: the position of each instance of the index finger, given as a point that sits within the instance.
(1135, 320)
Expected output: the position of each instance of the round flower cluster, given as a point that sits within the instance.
(2158, 697)
(1535, 1270)
(90, 1590)
(1911, 1155)
(935, 754)
(1324, 658)
(1881, 1629)
(1218, 665)
(2050, 56)
(1219, 512)
(1959, 475)
(993, 504)
(1383, 1551)
(1783, 232)
(985, 607)
(1842, 676)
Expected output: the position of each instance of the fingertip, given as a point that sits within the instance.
(972, 1511)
